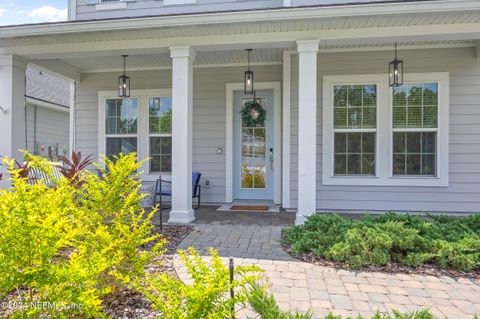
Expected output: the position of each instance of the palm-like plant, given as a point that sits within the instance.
(72, 169)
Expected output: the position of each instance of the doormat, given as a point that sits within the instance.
(250, 208)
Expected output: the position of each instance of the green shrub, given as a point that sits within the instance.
(407, 244)
(318, 234)
(464, 254)
(363, 246)
(404, 239)
(208, 294)
(72, 244)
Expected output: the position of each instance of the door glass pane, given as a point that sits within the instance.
(253, 154)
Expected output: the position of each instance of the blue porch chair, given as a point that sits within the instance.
(160, 192)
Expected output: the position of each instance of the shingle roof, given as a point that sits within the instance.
(47, 87)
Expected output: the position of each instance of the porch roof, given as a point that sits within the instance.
(72, 48)
(45, 87)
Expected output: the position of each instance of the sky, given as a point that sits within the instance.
(32, 11)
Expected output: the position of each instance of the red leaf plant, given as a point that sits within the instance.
(23, 169)
(72, 169)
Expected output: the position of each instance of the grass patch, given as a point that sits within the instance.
(447, 242)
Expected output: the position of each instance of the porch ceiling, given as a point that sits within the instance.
(162, 60)
(260, 56)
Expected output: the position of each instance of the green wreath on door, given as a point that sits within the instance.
(253, 114)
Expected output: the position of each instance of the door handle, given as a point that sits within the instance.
(271, 159)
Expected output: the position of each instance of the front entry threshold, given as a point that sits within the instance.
(272, 208)
(181, 217)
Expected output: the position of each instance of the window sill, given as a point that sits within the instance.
(390, 181)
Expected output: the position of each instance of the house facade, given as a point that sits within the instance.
(333, 134)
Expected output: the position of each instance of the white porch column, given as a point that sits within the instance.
(307, 127)
(182, 105)
(12, 109)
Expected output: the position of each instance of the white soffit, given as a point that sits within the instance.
(320, 24)
(263, 56)
(163, 60)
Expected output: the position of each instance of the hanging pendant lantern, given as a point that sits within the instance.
(124, 82)
(249, 77)
(395, 71)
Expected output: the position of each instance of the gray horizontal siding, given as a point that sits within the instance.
(463, 192)
(86, 8)
(52, 127)
(329, 2)
(209, 114)
(138, 8)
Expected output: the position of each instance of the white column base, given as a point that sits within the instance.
(300, 219)
(181, 217)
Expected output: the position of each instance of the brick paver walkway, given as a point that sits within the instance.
(303, 286)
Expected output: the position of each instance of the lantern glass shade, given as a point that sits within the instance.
(249, 82)
(395, 73)
(124, 86)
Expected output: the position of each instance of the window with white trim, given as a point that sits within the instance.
(121, 124)
(160, 134)
(141, 124)
(355, 126)
(415, 124)
(377, 135)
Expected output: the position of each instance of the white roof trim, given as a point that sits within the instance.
(241, 16)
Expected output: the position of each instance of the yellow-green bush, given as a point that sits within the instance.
(207, 297)
(72, 245)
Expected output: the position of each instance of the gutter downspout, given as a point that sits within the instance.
(25, 113)
(35, 149)
(73, 102)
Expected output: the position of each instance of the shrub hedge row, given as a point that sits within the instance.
(448, 242)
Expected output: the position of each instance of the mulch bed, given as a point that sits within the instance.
(423, 270)
(131, 304)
